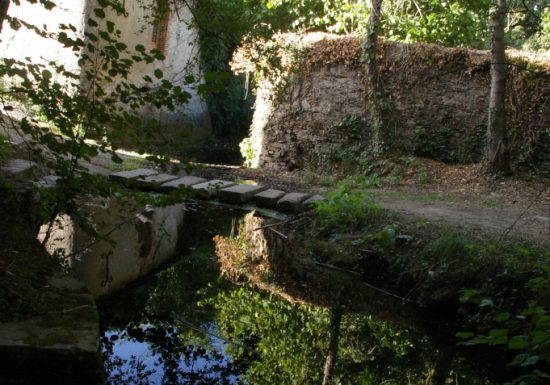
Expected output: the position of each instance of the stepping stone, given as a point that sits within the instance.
(154, 181)
(268, 199)
(240, 193)
(310, 202)
(210, 189)
(129, 177)
(49, 181)
(17, 167)
(292, 203)
(185, 181)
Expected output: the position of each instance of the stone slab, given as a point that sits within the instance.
(240, 193)
(49, 181)
(292, 203)
(66, 337)
(18, 166)
(310, 202)
(129, 177)
(155, 181)
(210, 189)
(185, 181)
(268, 199)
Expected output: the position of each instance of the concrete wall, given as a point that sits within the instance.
(180, 53)
(136, 244)
(25, 43)
(136, 27)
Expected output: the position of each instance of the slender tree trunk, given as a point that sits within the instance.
(4, 5)
(443, 365)
(376, 98)
(335, 321)
(497, 153)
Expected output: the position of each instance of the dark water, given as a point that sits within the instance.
(187, 325)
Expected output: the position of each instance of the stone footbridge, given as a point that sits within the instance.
(221, 190)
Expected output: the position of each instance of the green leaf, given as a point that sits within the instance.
(140, 48)
(117, 159)
(540, 337)
(518, 342)
(498, 332)
(46, 75)
(110, 26)
(467, 295)
(464, 335)
(158, 74)
(486, 302)
(120, 46)
(99, 12)
(502, 317)
(92, 22)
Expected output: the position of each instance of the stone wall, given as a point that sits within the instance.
(314, 115)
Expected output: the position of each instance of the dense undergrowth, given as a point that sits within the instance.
(498, 289)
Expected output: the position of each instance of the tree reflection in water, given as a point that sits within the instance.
(186, 325)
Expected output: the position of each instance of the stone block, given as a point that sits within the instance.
(268, 199)
(308, 203)
(49, 181)
(240, 193)
(154, 181)
(18, 167)
(185, 181)
(129, 177)
(292, 203)
(210, 189)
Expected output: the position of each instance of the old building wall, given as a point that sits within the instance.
(25, 43)
(175, 39)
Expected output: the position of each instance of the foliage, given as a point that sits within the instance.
(514, 316)
(100, 103)
(541, 39)
(286, 344)
(526, 334)
(221, 26)
(282, 342)
(450, 23)
(247, 151)
(346, 210)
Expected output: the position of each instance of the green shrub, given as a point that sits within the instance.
(346, 211)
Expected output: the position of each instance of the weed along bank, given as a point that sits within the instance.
(144, 25)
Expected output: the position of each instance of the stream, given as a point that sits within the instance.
(186, 324)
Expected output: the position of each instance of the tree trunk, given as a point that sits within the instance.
(376, 98)
(496, 155)
(4, 5)
(443, 365)
(335, 321)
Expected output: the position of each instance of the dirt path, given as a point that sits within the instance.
(514, 208)
(501, 223)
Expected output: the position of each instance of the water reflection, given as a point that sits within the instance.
(187, 325)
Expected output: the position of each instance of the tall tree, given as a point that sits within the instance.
(376, 100)
(497, 153)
